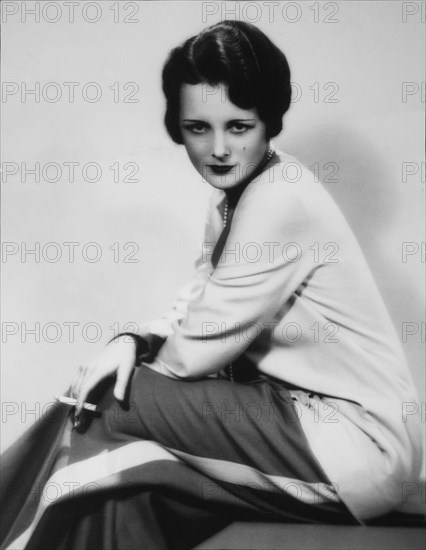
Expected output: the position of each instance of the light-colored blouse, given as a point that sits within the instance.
(293, 292)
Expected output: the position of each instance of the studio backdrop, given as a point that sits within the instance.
(102, 214)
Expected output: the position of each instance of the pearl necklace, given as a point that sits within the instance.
(269, 154)
(225, 213)
(228, 369)
(268, 157)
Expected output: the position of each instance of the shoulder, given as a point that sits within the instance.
(287, 199)
(286, 191)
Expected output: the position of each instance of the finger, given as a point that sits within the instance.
(91, 380)
(85, 374)
(75, 379)
(78, 380)
(124, 372)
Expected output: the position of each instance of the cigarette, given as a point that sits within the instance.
(72, 401)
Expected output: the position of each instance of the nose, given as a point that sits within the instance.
(220, 146)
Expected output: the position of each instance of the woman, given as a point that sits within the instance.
(273, 389)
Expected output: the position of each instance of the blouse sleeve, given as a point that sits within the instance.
(263, 263)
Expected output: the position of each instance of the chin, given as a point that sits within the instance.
(221, 182)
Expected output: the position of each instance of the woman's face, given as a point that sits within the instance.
(224, 142)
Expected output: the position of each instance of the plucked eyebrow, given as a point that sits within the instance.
(233, 120)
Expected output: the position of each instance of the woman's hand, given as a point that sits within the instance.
(118, 358)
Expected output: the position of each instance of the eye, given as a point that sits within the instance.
(196, 128)
(239, 127)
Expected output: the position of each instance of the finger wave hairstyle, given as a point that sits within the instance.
(242, 57)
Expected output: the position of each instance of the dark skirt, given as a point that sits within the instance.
(174, 464)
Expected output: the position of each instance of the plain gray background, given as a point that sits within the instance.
(357, 69)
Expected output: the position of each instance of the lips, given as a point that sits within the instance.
(220, 169)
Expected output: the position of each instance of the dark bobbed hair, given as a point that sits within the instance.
(238, 55)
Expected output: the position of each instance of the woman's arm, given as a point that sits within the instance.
(127, 349)
(258, 272)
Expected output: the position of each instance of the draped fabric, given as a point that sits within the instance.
(186, 454)
(167, 469)
(292, 293)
